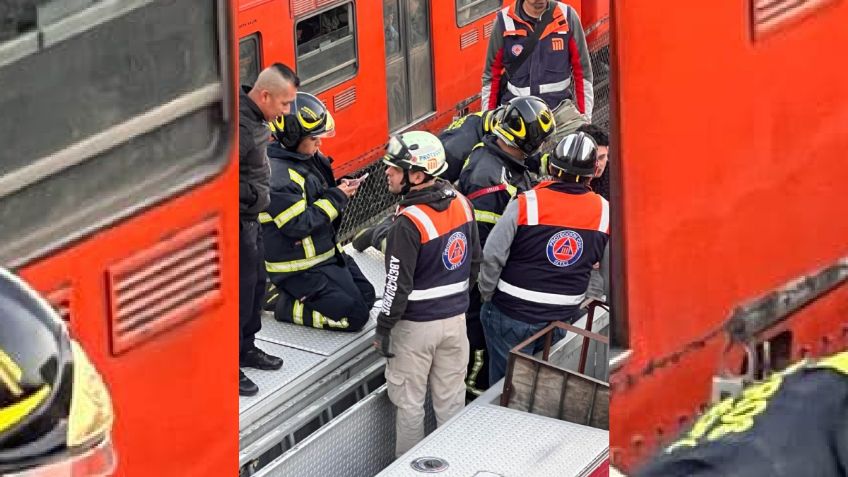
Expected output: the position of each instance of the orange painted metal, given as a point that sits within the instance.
(176, 407)
(730, 183)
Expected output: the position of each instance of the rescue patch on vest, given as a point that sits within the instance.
(565, 248)
(517, 49)
(456, 251)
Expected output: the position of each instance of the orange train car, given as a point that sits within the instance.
(381, 67)
(729, 122)
(118, 203)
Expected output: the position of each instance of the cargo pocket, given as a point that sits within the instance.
(397, 390)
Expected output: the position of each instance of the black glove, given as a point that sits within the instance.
(362, 240)
(381, 343)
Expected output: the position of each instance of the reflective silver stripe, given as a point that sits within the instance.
(486, 217)
(298, 265)
(308, 247)
(532, 207)
(298, 208)
(508, 23)
(554, 87)
(588, 97)
(540, 297)
(422, 217)
(516, 91)
(297, 313)
(469, 214)
(604, 227)
(439, 292)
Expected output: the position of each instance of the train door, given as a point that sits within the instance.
(409, 69)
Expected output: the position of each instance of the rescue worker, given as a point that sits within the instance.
(271, 96)
(314, 283)
(55, 412)
(792, 424)
(462, 135)
(538, 48)
(432, 258)
(495, 173)
(600, 183)
(538, 258)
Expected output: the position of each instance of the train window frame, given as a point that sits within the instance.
(471, 4)
(81, 177)
(256, 55)
(328, 78)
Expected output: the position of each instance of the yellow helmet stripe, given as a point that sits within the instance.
(546, 121)
(10, 374)
(308, 125)
(521, 132)
(11, 415)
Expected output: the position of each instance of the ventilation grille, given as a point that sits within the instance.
(768, 16)
(487, 29)
(168, 284)
(344, 98)
(468, 38)
(300, 7)
(61, 301)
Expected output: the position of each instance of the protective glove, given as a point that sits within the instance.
(362, 240)
(381, 344)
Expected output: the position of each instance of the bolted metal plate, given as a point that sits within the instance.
(372, 264)
(491, 440)
(429, 465)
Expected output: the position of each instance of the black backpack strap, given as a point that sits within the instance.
(532, 41)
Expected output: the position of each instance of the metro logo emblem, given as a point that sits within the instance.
(557, 44)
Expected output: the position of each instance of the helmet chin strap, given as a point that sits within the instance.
(406, 185)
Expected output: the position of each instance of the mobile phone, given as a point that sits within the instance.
(359, 179)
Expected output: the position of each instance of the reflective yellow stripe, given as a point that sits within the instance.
(298, 265)
(297, 313)
(298, 179)
(10, 374)
(308, 247)
(837, 362)
(317, 320)
(486, 217)
(543, 168)
(289, 213)
(510, 189)
(265, 217)
(11, 415)
(328, 208)
(475, 370)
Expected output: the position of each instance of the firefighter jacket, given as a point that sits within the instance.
(300, 224)
(458, 139)
(490, 179)
(559, 63)
(253, 162)
(792, 424)
(539, 257)
(432, 257)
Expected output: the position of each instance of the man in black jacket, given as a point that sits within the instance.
(313, 282)
(271, 96)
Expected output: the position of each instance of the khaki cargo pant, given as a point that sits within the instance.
(434, 351)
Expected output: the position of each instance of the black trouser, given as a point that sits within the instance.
(477, 379)
(252, 278)
(334, 296)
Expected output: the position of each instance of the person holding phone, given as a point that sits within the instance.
(313, 283)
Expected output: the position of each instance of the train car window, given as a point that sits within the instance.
(114, 107)
(391, 29)
(249, 59)
(326, 48)
(468, 11)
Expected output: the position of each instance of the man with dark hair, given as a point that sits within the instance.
(600, 183)
(271, 96)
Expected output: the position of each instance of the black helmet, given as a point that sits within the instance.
(576, 154)
(55, 412)
(308, 117)
(525, 123)
(491, 117)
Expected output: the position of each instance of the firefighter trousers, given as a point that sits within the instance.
(434, 351)
(332, 296)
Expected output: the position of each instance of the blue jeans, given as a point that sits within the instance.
(504, 333)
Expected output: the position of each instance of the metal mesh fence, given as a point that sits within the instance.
(373, 201)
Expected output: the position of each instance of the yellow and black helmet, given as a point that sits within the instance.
(491, 117)
(308, 117)
(55, 412)
(525, 123)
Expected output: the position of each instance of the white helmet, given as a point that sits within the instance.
(417, 151)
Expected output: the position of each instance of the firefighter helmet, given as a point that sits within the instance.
(309, 117)
(576, 154)
(417, 151)
(491, 117)
(525, 123)
(55, 412)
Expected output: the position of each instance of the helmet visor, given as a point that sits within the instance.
(396, 151)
